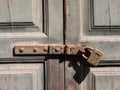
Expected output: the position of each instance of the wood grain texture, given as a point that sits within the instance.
(22, 13)
(13, 82)
(103, 38)
(55, 74)
(4, 10)
(106, 12)
(55, 12)
(21, 76)
(9, 40)
(9, 36)
(72, 71)
(102, 12)
(92, 78)
(105, 78)
(70, 83)
(72, 21)
(81, 77)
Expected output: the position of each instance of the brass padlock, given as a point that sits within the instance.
(95, 56)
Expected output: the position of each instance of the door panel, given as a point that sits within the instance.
(91, 78)
(95, 25)
(99, 26)
(106, 12)
(102, 78)
(55, 26)
(22, 76)
(4, 16)
(21, 13)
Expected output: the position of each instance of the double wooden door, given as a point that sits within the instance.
(34, 22)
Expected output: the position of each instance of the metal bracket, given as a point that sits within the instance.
(58, 49)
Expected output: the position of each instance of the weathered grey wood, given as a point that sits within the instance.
(9, 40)
(55, 12)
(115, 13)
(72, 71)
(97, 24)
(72, 37)
(55, 75)
(110, 46)
(96, 37)
(22, 13)
(104, 38)
(105, 78)
(72, 20)
(10, 35)
(26, 11)
(4, 11)
(106, 12)
(21, 76)
(102, 14)
(70, 83)
(91, 78)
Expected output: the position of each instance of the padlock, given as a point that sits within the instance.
(94, 57)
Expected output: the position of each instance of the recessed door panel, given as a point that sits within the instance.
(102, 78)
(22, 76)
(99, 26)
(21, 12)
(106, 12)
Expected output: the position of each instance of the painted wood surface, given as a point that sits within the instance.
(55, 74)
(95, 23)
(104, 36)
(105, 78)
(106, 12)
(55, 21)
(21, 12)
(30, 22)
(21, 76)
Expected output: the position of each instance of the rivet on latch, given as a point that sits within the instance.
(21, 50)
(72, 50)
(35, 50)
(45, 49)
(57, 49)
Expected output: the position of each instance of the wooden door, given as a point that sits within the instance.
(30, 22)
(95, 23)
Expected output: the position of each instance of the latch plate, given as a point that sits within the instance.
(57, 49)
(75, 49)
(31, 50)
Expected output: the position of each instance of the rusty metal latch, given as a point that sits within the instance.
(50, 49)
